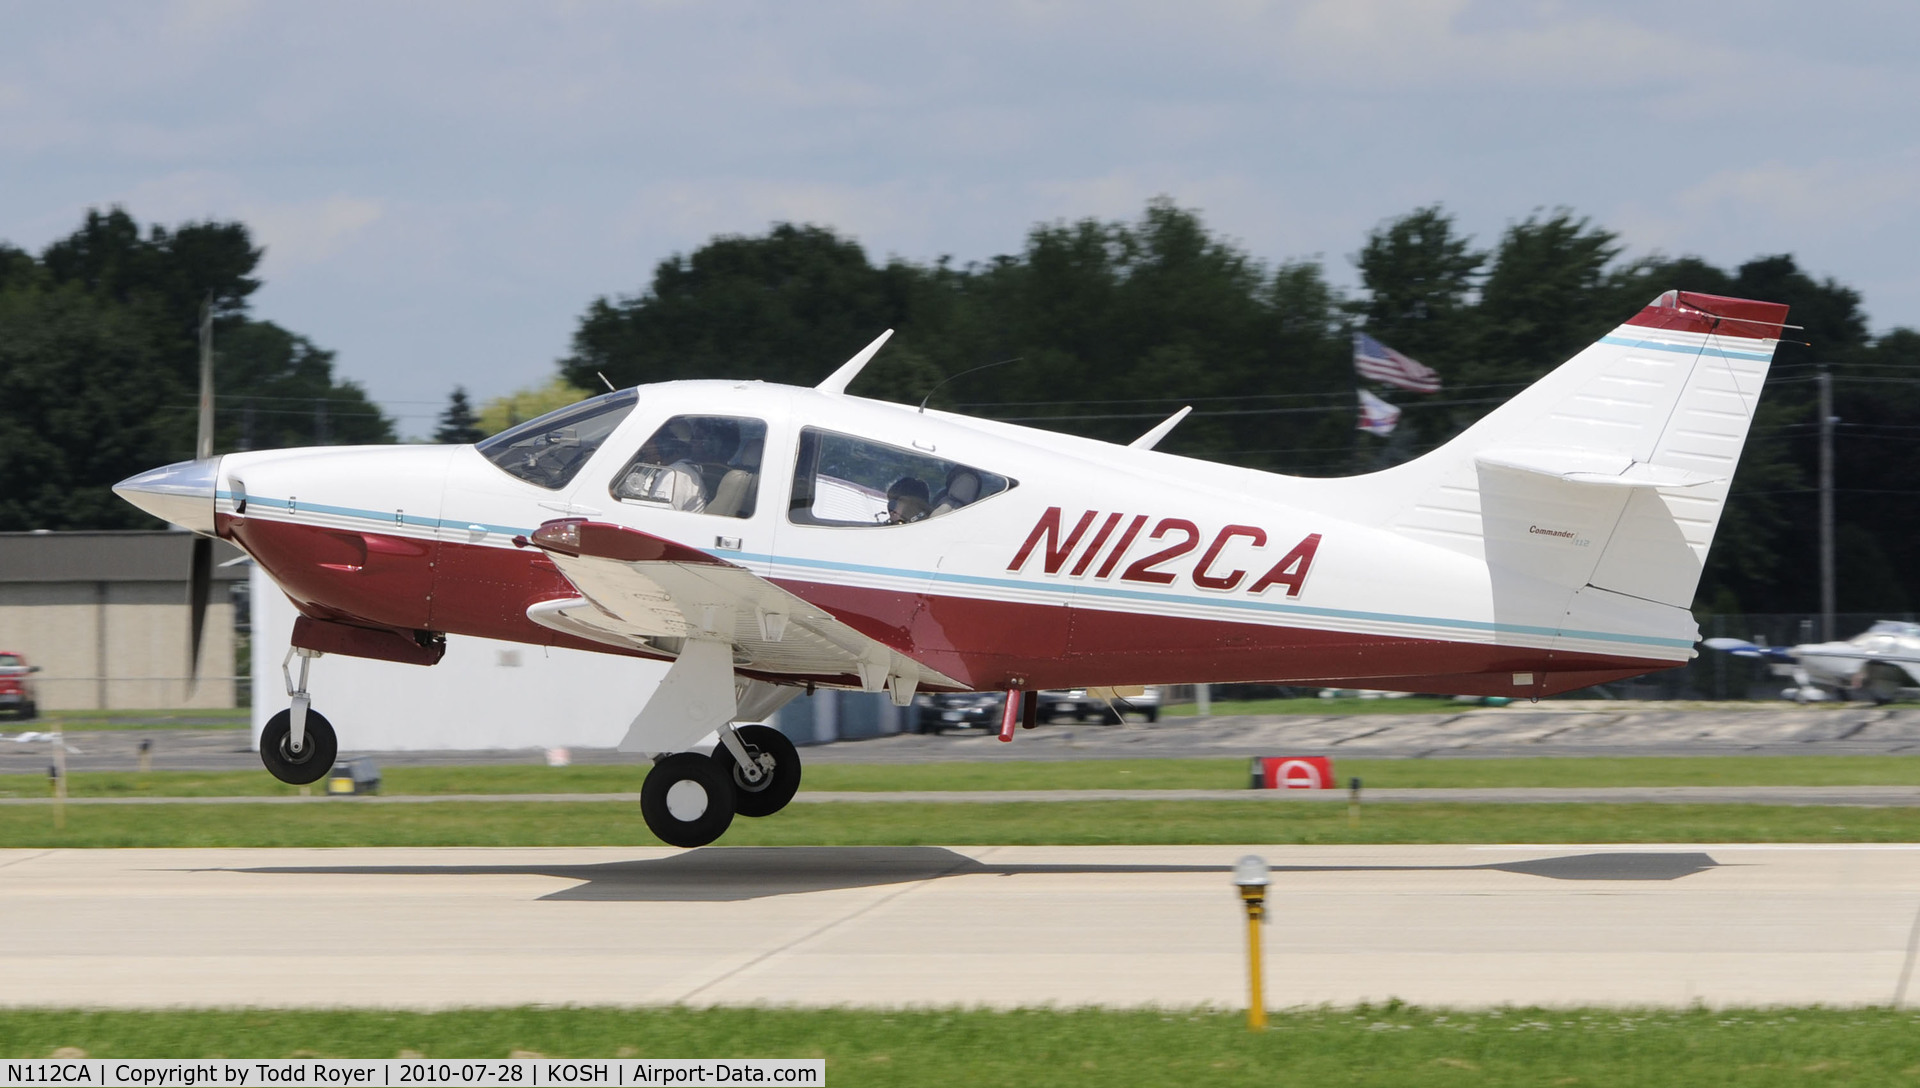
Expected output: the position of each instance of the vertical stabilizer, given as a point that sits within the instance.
(1596, 492)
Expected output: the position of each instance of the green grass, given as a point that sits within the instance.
(1086, 774)
(1373, 1047)
(90, 720)
(1072, 823)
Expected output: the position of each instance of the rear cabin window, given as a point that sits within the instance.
(699, 464)
(551, 450)
(843, 480)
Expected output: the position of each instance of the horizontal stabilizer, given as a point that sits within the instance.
(1593, 467)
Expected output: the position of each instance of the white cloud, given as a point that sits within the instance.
(401, 162)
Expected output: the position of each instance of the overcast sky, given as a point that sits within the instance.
(442, 188)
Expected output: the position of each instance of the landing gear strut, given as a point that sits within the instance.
(764, 767)
(298, 745)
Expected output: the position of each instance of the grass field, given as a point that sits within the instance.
(90, 720)
(1088, 774)
(1373, 1047)
(1072, 823)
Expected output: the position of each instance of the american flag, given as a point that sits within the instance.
(1376, 415)
(1380, 363)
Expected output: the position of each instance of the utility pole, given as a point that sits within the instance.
(1826, 505)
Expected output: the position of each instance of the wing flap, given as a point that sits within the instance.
(644, 592)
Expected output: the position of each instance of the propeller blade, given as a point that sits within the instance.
(203, 438)
(200, 576)
(200, 590)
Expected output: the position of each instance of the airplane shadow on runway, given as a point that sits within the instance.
(730, 874)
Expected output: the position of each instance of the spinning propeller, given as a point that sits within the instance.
(200, 572)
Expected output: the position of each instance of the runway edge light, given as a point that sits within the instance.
(1250, 876)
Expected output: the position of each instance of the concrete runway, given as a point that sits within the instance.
(1435, 925)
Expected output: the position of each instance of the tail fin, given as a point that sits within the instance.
(1607, 477)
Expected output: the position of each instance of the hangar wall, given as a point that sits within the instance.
(105, 616)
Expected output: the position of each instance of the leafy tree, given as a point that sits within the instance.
(1420, 278)
(99, 358)
(788, 307)
(458, 425)
(86, 404)
(1551, 290)
(275, 389)
(500, 413)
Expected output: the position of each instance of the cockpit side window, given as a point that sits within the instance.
(551, 450)
(699, 464)
(843, 480)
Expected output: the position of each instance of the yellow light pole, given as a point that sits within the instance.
(1250, 876)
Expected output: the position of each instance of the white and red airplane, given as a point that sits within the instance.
(768, 539)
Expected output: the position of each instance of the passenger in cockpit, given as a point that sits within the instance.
(963, 487)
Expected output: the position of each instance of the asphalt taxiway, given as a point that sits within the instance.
(1001, 926)
(1552, 728)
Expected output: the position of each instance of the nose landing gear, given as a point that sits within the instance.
(298, 745)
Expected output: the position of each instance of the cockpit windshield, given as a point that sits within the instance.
(551, 450)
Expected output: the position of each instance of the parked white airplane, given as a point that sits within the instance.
(767, 539)
(1881, 663)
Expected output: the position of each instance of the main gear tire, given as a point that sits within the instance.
(687, 800)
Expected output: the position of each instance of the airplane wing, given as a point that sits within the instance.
(640, 591)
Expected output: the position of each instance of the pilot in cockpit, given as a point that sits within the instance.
(907, 500)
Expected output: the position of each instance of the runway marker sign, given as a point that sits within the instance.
(1292, 773)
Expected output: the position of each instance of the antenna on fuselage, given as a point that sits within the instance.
(605, 382)
(838, 381)
(1152, 438)
(962, 374)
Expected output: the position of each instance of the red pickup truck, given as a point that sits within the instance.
(16, 684)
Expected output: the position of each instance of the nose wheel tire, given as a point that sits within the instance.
(777, 786)
(315, 757)
(687, 800)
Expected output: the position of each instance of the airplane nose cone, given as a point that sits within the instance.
(180, 493)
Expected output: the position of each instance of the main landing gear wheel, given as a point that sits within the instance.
(315, 757)
(777, 784)
(687, 800)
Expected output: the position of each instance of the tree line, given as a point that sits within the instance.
(99, 368)
(1095, 327)
(1115, 324)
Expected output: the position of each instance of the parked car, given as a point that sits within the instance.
(957, 710)
(1081, 705)
(16, 685)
